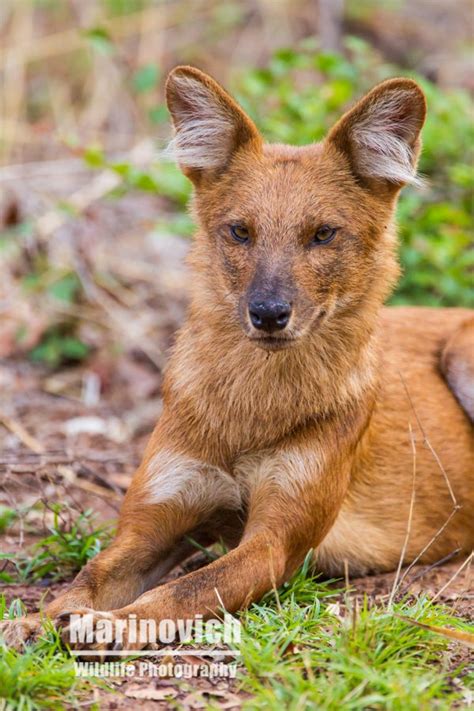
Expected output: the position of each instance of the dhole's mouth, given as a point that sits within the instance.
(273, 343)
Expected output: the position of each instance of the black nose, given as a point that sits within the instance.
(270, 315)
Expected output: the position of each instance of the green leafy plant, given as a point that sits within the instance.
(72, 541)
(58, 347)
(145, 78)
(7, 516)
(60, 343)
(100, 40)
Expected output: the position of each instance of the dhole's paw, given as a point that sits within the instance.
(93, 632)
(21, 630)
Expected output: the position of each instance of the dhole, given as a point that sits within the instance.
(298, 412)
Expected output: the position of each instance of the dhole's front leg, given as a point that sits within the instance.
(292, 501)
(171, 495)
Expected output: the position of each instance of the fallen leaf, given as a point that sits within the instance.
(112, 427)
(190, 659)
(200, 699)
(334, 608)
(151, 693)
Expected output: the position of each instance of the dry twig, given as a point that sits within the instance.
(456, 506)
(23, 435)
(467, 562)
(409, 523)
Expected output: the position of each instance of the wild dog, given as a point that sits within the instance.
(294, 403)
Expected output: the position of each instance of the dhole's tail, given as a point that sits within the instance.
(457, 364)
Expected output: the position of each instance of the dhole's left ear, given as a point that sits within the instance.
(381, 135)
(210, 127)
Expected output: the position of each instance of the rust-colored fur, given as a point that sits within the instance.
(315, 434)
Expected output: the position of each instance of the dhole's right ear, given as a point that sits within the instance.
(210, 127)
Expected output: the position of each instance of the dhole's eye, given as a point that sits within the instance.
(324, 235)
(239, 233)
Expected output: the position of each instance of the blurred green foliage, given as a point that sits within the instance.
(57, 347)
(301, 93)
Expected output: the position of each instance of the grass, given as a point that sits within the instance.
(40, 677)
(303, 650)
(305, 646)
(72, 541)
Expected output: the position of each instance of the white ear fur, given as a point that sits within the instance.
(204, 127)
(384, 139)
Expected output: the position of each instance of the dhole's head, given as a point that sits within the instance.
(293, 238)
